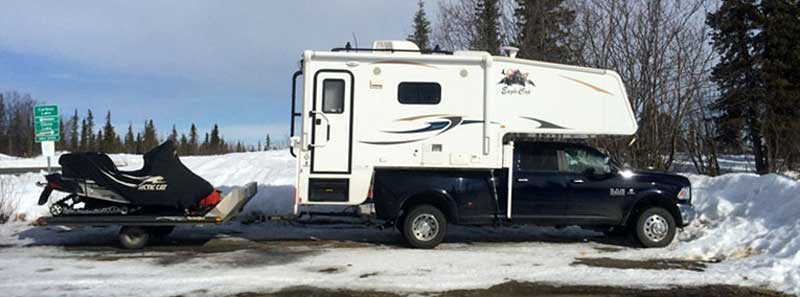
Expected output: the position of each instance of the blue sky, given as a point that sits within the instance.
(179, 62)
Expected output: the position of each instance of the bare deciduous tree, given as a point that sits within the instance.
(660, 49)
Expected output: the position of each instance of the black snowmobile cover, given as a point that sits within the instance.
(163, 181)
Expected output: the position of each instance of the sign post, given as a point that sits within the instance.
(46, 129)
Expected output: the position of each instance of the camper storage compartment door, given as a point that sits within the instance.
(328, 190)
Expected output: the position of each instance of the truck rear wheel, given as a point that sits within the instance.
(655, 227)
(424, 226)
(133, 237)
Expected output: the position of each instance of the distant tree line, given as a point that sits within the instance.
(704, 78)
(81, 134)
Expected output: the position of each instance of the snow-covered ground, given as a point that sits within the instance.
(747, 234)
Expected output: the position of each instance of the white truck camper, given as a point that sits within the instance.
(394, 106)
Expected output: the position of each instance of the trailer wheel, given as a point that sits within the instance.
(655, 227)
(133, 237)
(56, 209)
(424, 227)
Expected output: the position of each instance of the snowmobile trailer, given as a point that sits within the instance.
(149, 201)
(136, 230)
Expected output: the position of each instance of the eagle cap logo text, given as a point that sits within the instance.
(515, 82)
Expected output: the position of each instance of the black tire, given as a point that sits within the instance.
(133, 237)
(655, 227)
(431, 226)
(160, 232)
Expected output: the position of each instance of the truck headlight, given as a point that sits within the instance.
(685, 193)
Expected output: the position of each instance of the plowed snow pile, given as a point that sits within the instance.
(751, 219)
(751, 223)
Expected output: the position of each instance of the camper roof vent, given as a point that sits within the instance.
(510, 51)
(400, 46)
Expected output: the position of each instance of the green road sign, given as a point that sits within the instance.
(45, 123)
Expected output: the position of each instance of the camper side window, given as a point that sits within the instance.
(333, 96)
(419, 93)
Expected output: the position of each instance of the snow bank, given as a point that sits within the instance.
(748, 219)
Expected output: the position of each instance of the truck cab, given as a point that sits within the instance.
(551, 184)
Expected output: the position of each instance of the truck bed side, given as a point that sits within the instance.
(465, 196)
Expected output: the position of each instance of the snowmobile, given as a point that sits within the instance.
(95, 186)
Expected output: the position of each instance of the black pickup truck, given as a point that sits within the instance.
(553, 184)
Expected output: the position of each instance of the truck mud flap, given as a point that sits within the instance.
(233, 202)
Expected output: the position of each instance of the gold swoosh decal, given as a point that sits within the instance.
(591, 86)
(420, 117)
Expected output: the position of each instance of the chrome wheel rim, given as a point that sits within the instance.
(656, 228)
(425, 227)
(56, 210)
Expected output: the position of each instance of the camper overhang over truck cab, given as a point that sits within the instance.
(361, 116)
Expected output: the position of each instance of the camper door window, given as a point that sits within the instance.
(419, 93)
(333, 96)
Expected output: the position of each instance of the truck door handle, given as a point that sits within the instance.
(522, 180)
(577, 181)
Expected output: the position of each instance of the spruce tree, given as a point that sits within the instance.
(173, 135)
(150, 137)
(780, 54)
(74, 134)
(109, 139)
(422, 28)
(130, 141)
(268, 143)
(193, 145)
(99, 145)
(487, 27)
(83, 144)
(204, 148)
(184, 145)
(138, 147)
(91, 140)
(60, 144)
(738, 76)
(544, 30)
(215, 144)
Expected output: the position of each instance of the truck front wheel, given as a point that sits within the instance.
(424, 226)
(655, 227)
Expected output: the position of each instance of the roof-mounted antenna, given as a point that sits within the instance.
(347, 46)
(355, 39)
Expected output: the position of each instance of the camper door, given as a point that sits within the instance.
(331, 117)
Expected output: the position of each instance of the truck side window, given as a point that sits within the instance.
(579, 159)
(333, 96)
(537, 158)
(419, 93)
